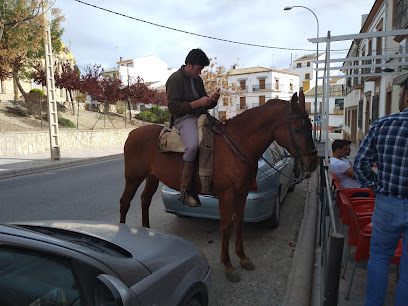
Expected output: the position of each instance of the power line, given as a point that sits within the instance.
(190, 33)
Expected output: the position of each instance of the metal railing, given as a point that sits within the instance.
(331, 241)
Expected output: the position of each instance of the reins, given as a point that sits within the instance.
(218, 128)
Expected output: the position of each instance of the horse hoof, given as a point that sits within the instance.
(233, 277)
(247, 265)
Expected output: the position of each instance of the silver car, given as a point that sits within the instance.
(264, 198)
(95, 263)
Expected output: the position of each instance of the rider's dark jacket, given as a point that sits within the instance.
(180, 94)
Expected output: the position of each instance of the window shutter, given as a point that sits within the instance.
(360, 113)
(374, 113)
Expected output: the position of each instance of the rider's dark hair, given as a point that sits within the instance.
(339, 144)
(197, 57)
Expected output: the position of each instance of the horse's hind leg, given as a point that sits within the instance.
(127, 196)
(151, 186)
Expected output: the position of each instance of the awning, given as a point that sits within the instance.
(399, 79)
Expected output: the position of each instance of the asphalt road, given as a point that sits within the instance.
(92, 192)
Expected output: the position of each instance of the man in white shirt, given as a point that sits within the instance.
(342, 167)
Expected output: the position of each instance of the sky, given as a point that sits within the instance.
(97, 36)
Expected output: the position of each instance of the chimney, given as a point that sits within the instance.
(120, 59)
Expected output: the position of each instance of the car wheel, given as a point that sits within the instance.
(196, 296)
(273, 221)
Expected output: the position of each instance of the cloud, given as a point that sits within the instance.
(93, 35)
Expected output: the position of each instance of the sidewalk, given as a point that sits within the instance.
(26, 164)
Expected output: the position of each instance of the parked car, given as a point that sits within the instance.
(337, 129)
(264, 199)
(95, 263)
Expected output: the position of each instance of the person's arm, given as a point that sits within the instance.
(365, 159)
(176, 105)
(350, 172)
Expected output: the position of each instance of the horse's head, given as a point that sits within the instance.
(300, 134)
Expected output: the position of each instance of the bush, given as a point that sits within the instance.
(38, 91)
(147, 116)
(154, 115)
(162, 115)
(66, 122)
(120, 107)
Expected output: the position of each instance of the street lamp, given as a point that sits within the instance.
(288, 8)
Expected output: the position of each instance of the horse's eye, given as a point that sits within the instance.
(297, 130)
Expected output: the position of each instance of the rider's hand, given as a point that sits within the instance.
(202, 102)
(216, 95)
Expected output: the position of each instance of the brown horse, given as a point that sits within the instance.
(251, 132)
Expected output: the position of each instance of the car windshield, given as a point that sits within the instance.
(94, 243)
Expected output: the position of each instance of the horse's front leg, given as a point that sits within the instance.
(245, 262)
(226, 204)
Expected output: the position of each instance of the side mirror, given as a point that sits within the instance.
(110, 291)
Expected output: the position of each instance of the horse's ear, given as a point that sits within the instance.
(294, 100)
(302, 98)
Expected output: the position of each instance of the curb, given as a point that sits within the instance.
(300, 279)
(56, 165)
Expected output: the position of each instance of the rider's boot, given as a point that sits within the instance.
(186, 176)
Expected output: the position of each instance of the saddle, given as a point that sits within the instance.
(170, 141)
(170, 138)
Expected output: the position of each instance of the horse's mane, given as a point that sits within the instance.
(250, 112)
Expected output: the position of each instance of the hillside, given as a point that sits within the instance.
(14, 117)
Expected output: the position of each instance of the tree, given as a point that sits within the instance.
(68, 77)
(22, 37)
(215, 76)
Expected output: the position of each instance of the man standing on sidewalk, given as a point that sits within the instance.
(386, 144)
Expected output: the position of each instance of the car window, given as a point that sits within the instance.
(277, 152)
(35, 279)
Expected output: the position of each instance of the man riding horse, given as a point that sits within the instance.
(187, 100)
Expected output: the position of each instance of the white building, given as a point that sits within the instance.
(305, 68)
(151, 69)
(370, 97)
(258, 85)
(336, 103)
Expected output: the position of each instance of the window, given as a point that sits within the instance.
(308, 64)
(242, 103)
(299, 65)
(339, 104)
(261, 100)
(308, 107)
(242, 85)
(400, 14)
(36, 279)
(262, 84)
(276, 84)
(307, 76)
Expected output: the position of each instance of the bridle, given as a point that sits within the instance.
(298, 155)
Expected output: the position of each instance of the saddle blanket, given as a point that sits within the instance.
(170, 139)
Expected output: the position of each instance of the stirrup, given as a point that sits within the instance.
(188, 199)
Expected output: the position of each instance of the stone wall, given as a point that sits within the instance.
(24, 143)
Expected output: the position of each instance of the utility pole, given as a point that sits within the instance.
(52, 103)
